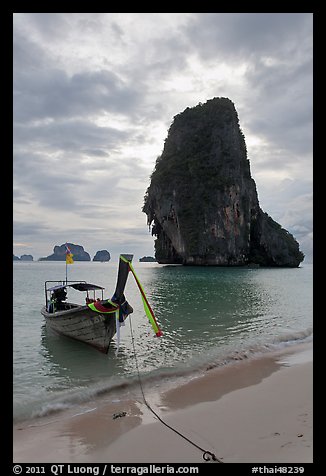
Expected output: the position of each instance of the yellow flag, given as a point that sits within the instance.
(69, 255)
(69, 259)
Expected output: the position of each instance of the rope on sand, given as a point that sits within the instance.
(207, 455)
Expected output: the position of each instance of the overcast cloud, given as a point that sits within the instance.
(95, 94)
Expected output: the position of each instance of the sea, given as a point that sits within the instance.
(209, 316)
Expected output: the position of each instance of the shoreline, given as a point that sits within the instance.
(255, 410)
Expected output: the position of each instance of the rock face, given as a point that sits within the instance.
(102, 255)
(59, 253)
(202, 202)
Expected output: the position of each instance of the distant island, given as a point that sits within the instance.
(23, 258)
(78, 252)
(147, 259)
(102, 256)
(59, 253)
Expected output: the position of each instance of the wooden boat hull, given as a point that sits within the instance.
(83, 324)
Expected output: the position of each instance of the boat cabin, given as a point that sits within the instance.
(56, 296)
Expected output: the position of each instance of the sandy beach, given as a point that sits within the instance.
(252, 411)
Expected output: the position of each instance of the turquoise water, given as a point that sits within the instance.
(209, 316)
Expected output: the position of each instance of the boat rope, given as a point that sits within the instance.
(207, 455)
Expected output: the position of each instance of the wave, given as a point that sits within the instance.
(257, 350)
(119, 387)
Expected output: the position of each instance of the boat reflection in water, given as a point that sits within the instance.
(73, 363)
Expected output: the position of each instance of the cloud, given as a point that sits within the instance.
(242, 36)
(69, 135)
(275, 52)
(51, 93)
(94, 96)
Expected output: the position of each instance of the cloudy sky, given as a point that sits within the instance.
(95, 94)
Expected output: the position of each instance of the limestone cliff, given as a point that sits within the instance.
(202, 202)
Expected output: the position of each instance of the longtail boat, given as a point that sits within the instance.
(97, 320)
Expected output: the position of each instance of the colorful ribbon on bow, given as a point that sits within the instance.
(148, 310)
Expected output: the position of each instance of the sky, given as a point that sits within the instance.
(94, 96)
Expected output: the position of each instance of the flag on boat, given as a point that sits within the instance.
(69, 255)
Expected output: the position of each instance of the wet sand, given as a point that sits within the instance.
(252, 411)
